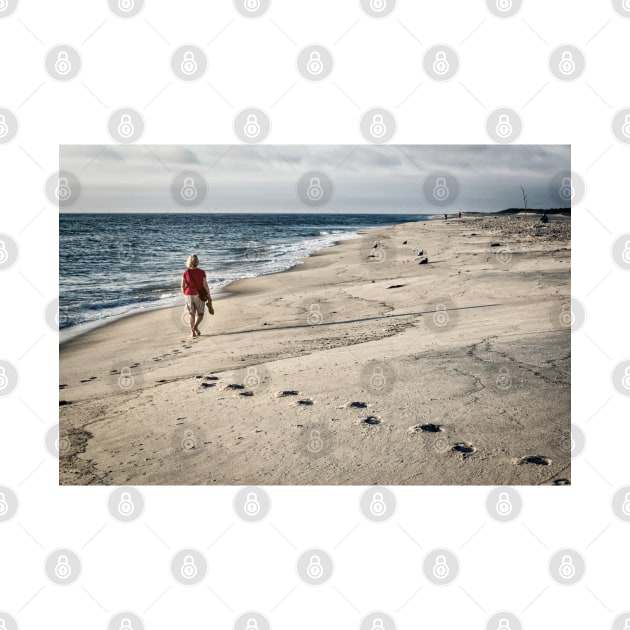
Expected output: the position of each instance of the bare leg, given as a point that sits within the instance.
(191, 319)
(199, 318)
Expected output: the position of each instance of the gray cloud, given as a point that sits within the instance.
(366, 178)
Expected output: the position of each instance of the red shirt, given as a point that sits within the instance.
(193, 278)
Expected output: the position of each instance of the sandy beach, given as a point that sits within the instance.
(360, 366)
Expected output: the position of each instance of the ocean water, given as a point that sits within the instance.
(114, 264)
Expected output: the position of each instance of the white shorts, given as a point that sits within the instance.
(194, 304)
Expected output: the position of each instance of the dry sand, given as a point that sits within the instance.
(368, 346)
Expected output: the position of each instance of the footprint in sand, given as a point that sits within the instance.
(371, 420)
(427, 428)
(355, 404)
(234, 386)
(538, 460)
(210, 378)
(304, 402)
(208, 384)
(64, 402)
(287, 392)
(561, 482)
(465, 448)
(246, 393)
(63, 386)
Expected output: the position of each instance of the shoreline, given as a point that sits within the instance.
(452, 372)
(224, 292)
(227, 291)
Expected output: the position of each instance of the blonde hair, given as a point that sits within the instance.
(192, 261)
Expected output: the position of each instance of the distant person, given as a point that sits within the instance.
(445, 216)
(544, 218)
(459, 214)
(196, 291)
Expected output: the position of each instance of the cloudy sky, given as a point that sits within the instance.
(367, 178)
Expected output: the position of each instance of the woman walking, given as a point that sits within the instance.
(196, 291)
